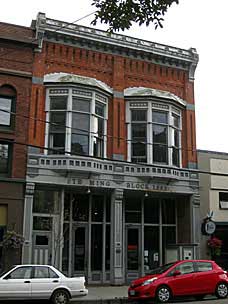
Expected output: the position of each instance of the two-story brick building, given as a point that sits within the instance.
(112, 187)
(16, 61)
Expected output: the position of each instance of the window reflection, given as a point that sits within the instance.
(80, 206)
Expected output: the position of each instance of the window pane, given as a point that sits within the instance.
(168, 211)
(57, 121)
(175, 157)
(133, 210)
(107, 248)
(185, 268)
(58, 103)
(41, 272)
(132, 249)
(58, 142)
(42, 223)
(149, 205)
(80, 144)
(4, 157)
(80, 208)
(160, 153)
(80, 104)
(168, 238)
(138, 115)
(139, 131)
(79, 252)
(46, 201)
(204, 266)
(21, 273)
(96, 247)
(97, 208)
(5, 106)
(98, 141)
(139, 149)
(80, 123)
(160, 117)
(176, 121)
(99, 109)
(65, 257)
(41, 240)
(151, 248)
(159, 134)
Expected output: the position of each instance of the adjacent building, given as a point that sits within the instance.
(112, 181)
(213, 168)
(16, 61)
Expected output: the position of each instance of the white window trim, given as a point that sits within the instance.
(165, 107)
(69, 112)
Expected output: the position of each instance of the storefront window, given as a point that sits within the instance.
(42, 223)
(46, 201)
(151, 210)
(107, 248)
(80, 210)
(151, 248)
(133, 209)
(65, 258)
(96, 246)
(168, 211)
(97, 208)
(168, 238)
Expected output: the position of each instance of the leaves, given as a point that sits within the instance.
(119, 14)
(11, 239)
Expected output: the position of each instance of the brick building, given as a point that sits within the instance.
(16, 61)
(112, 183)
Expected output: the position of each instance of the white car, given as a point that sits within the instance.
(31, 282)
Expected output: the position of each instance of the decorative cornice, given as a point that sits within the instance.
(50, 29)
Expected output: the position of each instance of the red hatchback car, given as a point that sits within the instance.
(182, 278)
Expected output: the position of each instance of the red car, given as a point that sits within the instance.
(182, 278)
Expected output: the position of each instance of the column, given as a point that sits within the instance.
(196, 222)
(117, 271)
(27, 224)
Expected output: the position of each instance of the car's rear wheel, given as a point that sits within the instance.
(60, 296)
(221, 291)
(163, 294)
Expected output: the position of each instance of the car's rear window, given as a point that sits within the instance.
(204, 266)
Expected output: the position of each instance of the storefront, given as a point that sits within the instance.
(111, 235)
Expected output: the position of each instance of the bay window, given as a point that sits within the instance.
(77, 122)
(154, 132)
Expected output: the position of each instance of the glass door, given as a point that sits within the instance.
(133, 254)
(80, 250)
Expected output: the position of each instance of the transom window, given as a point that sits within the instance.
(155, 133)
(77, 122)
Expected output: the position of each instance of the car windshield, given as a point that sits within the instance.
(162, 269)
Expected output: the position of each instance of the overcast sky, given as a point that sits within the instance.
(201, 24)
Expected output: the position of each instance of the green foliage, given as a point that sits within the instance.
(119, 14)
(11, 239)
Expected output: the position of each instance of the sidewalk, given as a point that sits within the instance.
(104, 294)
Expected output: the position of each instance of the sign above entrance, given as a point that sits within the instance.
(119, 184)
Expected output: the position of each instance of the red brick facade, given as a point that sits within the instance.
(119, 73)
(16, 62)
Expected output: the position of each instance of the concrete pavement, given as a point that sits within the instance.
(104, 294)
